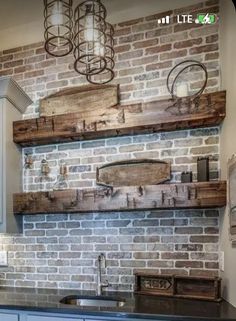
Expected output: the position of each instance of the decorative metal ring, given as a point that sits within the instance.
(192, 64)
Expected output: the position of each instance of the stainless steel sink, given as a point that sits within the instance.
(97, 301)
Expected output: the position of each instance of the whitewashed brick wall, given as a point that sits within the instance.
(61, 250)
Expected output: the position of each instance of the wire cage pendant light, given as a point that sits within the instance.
(58, 24)
(89, 36)
(107, 74)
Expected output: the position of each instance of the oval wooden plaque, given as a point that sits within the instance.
(135, 172)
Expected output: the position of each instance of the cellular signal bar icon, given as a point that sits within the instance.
(165, 20)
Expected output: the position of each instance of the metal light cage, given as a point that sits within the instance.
(90, 38)
(58, 24)
(107, 74)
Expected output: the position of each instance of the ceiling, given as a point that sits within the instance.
(21, 22)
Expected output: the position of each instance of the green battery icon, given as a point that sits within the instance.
(209, 18)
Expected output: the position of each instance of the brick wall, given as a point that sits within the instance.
(61, 250)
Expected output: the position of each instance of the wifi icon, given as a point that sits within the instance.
(164, 20)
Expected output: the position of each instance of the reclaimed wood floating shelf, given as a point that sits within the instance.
(120, 120)
(129, 198)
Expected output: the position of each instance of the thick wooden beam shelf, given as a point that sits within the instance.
(119, 120)
(129, 198)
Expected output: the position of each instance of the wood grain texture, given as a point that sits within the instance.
(129, 198)
(187, 287)
(133, 172)
(87, 101)
(143, 118)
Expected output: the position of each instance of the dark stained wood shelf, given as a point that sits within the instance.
(128, 198)
(119, 120)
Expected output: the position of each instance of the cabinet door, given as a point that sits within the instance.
(50, 318)
(9, 317)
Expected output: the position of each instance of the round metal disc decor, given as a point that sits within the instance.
(58, 24)
(187, 64)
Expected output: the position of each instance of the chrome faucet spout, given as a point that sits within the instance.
(101, 265)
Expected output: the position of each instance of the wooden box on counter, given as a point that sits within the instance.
(188, 287)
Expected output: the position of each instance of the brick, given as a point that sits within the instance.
(33, 74)
(201, 49)
(93, 160)
(6, 72)
(160, 144)
(159, 65)
(122, 32)
(188, 230)
(188, 247)
(146, 239)
(6, 58)
(131, 38)
(188, 142)
(131, 71)
(122, 48)
(158, 32)
(212, 38)
(158, 264)
(174, 256)
(204, 256)
(13, 50)
(157, 49)
(204, 150)
(146, 43)
(204, 239)
(131, 148)
(132, 263)
(204, 221)
(80, 169)
(212, 265)
(147, 76)
(148, 222)
(146, 256)
(130, 55)
(175, 152)
(14, 63)
(173, 37)
(189, 264)
(159, 230)
(173, 54)
(57, 84)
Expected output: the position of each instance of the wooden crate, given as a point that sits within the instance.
(187, 287)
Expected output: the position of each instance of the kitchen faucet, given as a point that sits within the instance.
(101, 265)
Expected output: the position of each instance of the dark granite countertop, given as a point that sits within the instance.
(136, 306)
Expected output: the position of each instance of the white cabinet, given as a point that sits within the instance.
(51, 318)
(9, 317)
(13, 102)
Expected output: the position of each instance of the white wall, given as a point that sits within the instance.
(21, 22)
(228, 134)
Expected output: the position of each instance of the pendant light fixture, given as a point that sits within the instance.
(90, 37)
(107, 74)
(89, 34)
(58, 24)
